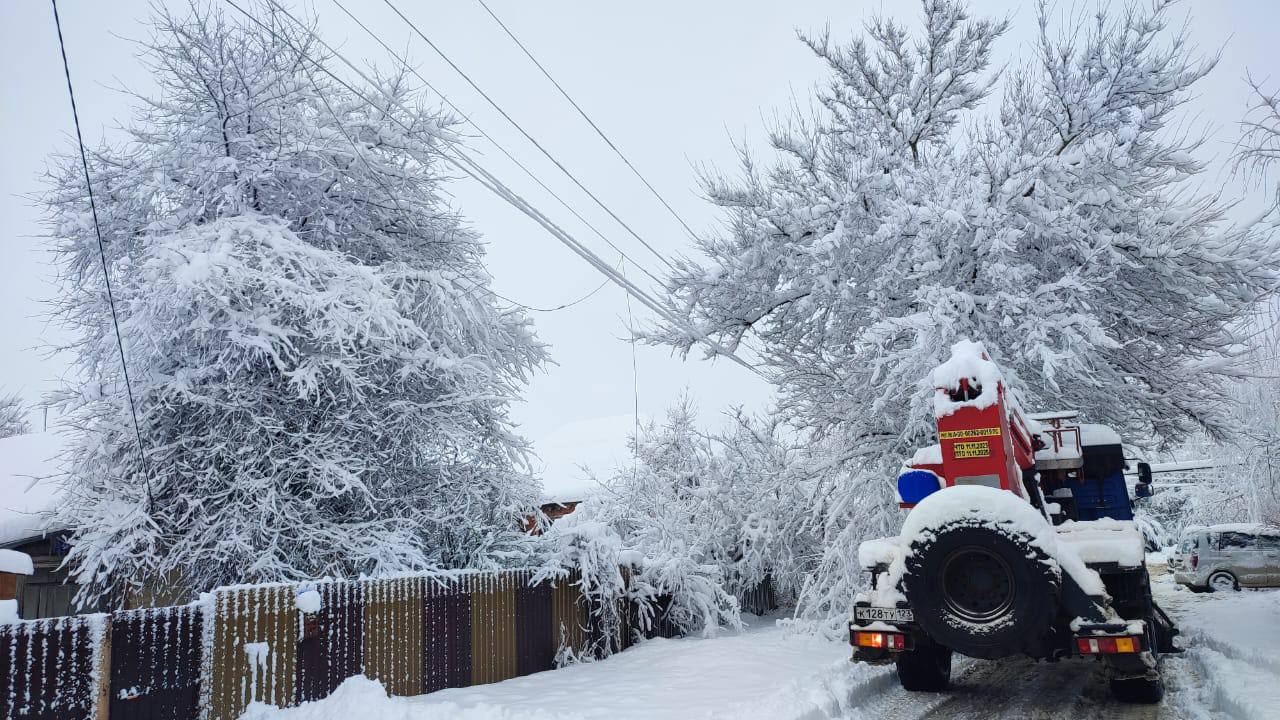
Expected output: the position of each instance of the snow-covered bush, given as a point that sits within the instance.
(322, 376)
(620, 575)
(701, 518)
(1059, 226)
(13, 416)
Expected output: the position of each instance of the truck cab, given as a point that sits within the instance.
(1081, 468)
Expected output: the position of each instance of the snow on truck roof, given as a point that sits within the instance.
(1054, 415)
(31, 473)
(967, 362)
(1091, 434)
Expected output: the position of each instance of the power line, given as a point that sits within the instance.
(465, 163)
(102, 256)
(407, 65)
(586, 117)
(404, 62)
(527, 136)
(377, 177)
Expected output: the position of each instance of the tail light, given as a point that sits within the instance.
(1109, 645)
(880, 640)
(1195, 561)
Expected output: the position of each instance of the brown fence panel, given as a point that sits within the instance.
(493, 628)
(393, 633)
(54, 669)
(446, 624)
(331, 648)
(535, 639)
(568, 615)
(759, 599)
(254, 648)
(156, 663)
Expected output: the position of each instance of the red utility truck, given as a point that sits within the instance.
(1017, 542)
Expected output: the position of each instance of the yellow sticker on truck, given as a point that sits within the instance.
(977, 449)
(970, 433)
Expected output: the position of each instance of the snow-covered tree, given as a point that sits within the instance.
(322, 376)
(1056, 223)
(13, 416)
(1258, 151)
(702, 517)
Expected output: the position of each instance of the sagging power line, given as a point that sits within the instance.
(462, 161)
(590, 122)
(526, 134)
(404, 62)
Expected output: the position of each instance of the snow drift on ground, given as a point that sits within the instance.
(1234, 643)
(764, 672)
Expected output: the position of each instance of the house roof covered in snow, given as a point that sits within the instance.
(31, 484)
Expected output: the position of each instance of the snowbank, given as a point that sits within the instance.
(1232, 640)
(360, 697)
(9, 611)
(31, 473)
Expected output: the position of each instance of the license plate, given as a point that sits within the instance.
(879, 613)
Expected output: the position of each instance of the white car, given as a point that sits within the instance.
(1228, 557)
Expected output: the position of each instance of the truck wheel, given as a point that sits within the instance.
(1222, 581)
(926, 668)
(981, 591)
(1139, 691)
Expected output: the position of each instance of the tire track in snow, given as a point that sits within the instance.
(1024, 688)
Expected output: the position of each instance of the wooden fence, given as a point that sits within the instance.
(208, 661)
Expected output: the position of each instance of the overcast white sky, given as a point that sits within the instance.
(675, 84)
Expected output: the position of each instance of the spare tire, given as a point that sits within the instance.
(981, 591)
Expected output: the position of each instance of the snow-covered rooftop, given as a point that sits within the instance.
(31, 476)
(12, 561)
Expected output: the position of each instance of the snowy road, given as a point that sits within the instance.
(1231, 672)
(1012, 688)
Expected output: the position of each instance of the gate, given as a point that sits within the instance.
(155, 664)
(331, 648)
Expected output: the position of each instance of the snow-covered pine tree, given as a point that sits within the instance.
(1059, 227)
(322, 375)
(13, 416)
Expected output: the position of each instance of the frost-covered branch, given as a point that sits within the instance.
(1258, 150)
(322, 375)
(13, 416)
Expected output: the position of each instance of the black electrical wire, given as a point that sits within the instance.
(460, 160)
(590, 122)
(469, 120)
(102, 256)
(526, 134)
